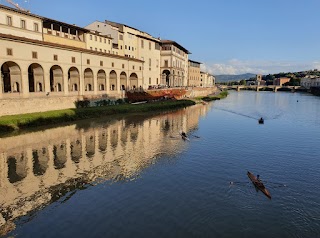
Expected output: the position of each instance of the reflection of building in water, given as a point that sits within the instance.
(34, 166)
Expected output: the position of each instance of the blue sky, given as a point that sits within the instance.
(227, 36)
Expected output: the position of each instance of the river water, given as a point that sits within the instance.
(134, 176)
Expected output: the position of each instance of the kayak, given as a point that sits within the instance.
(258, 184)
(184, 136)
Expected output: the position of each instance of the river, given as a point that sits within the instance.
(133, 176)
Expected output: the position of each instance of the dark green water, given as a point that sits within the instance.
(135, 177)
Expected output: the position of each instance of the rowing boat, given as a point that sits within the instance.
(258, 184)
(184, 136)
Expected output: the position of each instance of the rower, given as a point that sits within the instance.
(183, 134)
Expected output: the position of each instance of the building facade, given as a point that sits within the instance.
(309, 82)
(53, 62)
(281, 81)
(194, 73)
(133, 43)
(206, 80)
(174, 64)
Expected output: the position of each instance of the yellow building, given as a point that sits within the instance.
(206, 80)
(174, 64)
(50, 68)
(133, 43)
(194, 74)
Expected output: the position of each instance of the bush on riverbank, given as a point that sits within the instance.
(209, 98)
(16, 122)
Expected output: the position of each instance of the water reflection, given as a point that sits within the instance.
(38, 168)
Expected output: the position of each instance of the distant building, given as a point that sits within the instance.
(194, 74)
(309, 82)
(281, 81)
(206, 80)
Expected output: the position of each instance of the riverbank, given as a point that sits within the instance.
(17, 122)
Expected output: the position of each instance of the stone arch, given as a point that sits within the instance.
(17, 167)
(123, 81)
(88, 80)
(166, 77)
(60, 155)
(102, 80)
(56, 79)
(40, 160)
(35, 78)
(113, 80)
(133, 81)
(11, 77)
(73, 79)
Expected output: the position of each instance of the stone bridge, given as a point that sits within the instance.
(257, 88)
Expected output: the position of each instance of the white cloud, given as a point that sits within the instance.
(235, 66)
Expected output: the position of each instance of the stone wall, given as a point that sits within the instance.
(201, 92)
(30, 105)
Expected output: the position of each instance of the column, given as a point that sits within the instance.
(1, 86)
(95, 83)
(24, 84)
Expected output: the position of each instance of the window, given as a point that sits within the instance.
(88, 61)
(140, 68)
(101, 63)
(9, 21)
(23, 24)
(125, 46)
(112, 64)
(100, 39)
(90, 48)
(36, 27)
(157, 63)
(73, 59)
(105, 40)
(166, 63)
(90, 37)
(149, 45)
(142, 44)
(9, 51)
(109, 42)
(95, 49)
(121, 37)
(95, 38)
(55, 57)
(129, 48)
(133, 67)
(150, 62)
(34, 55)
(149, 80)
(123, 66)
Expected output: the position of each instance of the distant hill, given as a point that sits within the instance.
(227, 77)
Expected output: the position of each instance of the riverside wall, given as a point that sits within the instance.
(16, 106)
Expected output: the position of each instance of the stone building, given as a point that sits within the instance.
(206, 79)
(133, 43)
(47, 63)
(174, 64)
(281, 81)
(194, 74)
